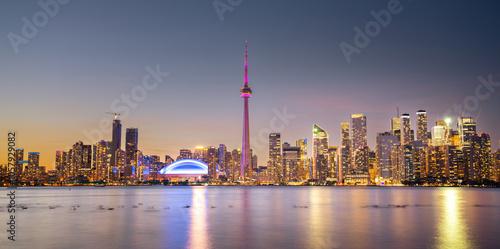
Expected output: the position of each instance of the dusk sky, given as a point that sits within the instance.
(61, 82)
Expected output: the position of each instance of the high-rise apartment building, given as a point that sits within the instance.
(422, 126)
(101, 172)
(405, 129)
(33, 166)
(19, 155)
(344, 129)
(358, 131)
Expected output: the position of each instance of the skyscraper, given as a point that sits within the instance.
(211, 160)
(76, 160)
(185, 154)
(439, 133)
(245, 93)
(405, 129)
(344, 134)
(291, 162)
(199, 153)
(101, 164)
(33, 165)
(117, 140)
(422, 126)
(320, 149)
(466, 128)
(222, 157)
(304, 170)
(386, 143)
(132, 140)
(274, 167)
(358, 131)
(61, 166)
(19, 166)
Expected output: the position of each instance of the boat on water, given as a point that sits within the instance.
(100, 185)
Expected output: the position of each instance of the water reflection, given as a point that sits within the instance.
(320, 221)
(198, 227)
(451, 228)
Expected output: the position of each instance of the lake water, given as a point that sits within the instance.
(253, 217)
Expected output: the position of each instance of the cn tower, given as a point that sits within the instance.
(245, 93)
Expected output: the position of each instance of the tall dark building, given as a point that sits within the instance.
(117, 140)
(131, 139)
(211, 161)
(222, 157)
(19, 166)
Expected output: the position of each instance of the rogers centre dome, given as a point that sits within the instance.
(185, 167)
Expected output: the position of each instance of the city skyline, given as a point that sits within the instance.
(301, 71)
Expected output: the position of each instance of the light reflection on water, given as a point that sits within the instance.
(256, 217)
(452, 228)
(198, 227)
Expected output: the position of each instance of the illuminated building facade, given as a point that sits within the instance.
(422, 126)
(344, 163)
(185, 154)
(233, 171)
(199, 153)
(344, 130)
(61, 164)
(33, 166)
(405, 129)
(479, 160)
(291, 162)
(19, 155)
(386, 143)
(222, 158)
(332, 163)
(466, 128)
(320, 150)
(304, 170)
(101, 163)
(358, 131)
(275, 164)
(396, 127)
(211, 160)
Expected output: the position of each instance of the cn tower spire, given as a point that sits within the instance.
(245, 93)
(246, 65)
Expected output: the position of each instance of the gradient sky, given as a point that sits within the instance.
(65, 78)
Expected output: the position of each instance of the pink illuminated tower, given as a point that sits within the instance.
(245, 93)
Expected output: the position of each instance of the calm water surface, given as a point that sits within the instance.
(254, 217)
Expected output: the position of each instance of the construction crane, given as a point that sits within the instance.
(478, 115)
(114, 113)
